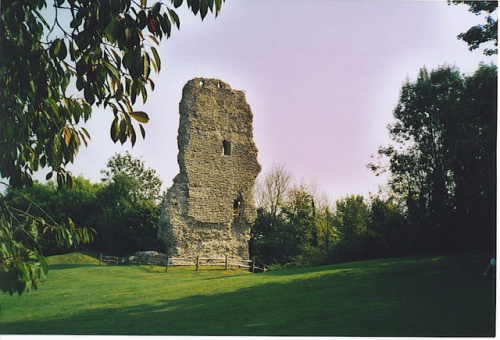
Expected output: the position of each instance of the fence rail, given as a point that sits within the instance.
(111, 259)
(197, 262)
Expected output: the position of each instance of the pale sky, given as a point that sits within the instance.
(322, 78)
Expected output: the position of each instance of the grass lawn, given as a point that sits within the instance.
(410, 296)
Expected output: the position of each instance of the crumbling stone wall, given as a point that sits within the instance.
(210, 209)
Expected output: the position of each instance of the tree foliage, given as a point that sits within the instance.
(387, 220)
(106, 49)
(272, 188)
(481, 34)
(285, 225)
(26, 230)
(76, 203)
(58, 61)
(144, 183)
(121, 217)
(302, 229)
(442, 188)
(299, 213)
(444, 161)
(128, 207)
(360, 238)
(351, 217)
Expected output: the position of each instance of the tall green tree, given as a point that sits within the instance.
(327, 235)
(267, 242)
(423, 108)
(288, 236)
(286, 229)
(472, 145)
(351, 223)
(128, 207)
(443, 164)
(299, 233)
(144, 183)
(106, 49)
(386, 219)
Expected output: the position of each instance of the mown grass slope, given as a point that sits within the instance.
(411, 296)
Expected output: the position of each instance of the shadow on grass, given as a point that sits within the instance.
(370, 264)
(368, 300)
(61, 266)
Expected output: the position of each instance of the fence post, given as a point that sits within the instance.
(197, 262)
(225, 263)
(166, 265)
(253, 266)
(100, 259)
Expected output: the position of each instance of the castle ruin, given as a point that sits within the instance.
(209, 210)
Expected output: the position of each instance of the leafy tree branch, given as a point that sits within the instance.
(484, 33)
(106, 49)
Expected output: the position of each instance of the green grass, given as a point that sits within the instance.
(411, 296)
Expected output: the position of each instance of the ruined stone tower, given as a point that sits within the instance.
(210, 209)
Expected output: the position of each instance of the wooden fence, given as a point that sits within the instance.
(111, 259)
(197, 262)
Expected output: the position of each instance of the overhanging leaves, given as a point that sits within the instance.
(104, 51)
(484, 33)
(140, 116)
(115, 130)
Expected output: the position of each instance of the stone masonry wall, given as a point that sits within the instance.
(210, 209)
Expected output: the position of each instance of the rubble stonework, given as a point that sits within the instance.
(147, 257)
(210, 209)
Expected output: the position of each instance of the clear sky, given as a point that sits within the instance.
(322, 78)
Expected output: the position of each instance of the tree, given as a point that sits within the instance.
(24, 233)
(386, 219)
(120, 209)
(290, 235)
(480, 34)
(300, 234)
(422, 168)
(144, 183)
(273, 188)
(327, 235)
(75, 205)
(473, 146)
(288, 228)
(351, 216)
(358, 238)
(128, 207)
(444, 165)
(266, 242)
(104, 48)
